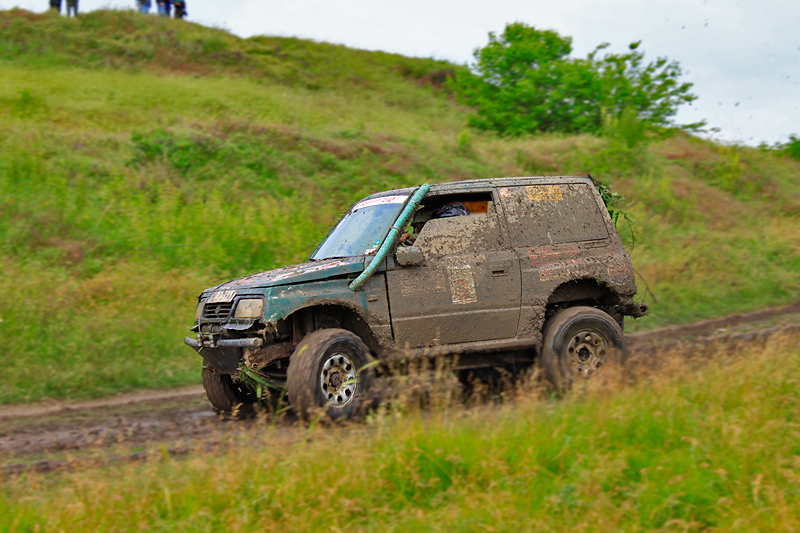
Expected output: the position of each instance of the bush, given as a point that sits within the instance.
(791, 148)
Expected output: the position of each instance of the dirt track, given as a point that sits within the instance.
(51, 435)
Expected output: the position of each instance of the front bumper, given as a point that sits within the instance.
(223, 343)
(223, 355)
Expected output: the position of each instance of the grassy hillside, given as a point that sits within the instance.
(143, 159)
(693, 447)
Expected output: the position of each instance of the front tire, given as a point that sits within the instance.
(578, 342)
(327, 371)
(226, 396)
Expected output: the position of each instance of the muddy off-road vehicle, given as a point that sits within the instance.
(494, 273)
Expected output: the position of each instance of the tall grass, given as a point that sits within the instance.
(85, 336)
(694, 445)
(132, 143)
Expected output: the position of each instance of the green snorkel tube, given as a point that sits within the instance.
(401, 222)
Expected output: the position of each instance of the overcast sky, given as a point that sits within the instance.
(743, 56)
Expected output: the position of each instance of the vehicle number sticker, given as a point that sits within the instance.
(221, 297)
(545, 193)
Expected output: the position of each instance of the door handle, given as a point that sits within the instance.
(500, 269)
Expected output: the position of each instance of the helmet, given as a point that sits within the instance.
(454, 209)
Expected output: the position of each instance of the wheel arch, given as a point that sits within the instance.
(339, 315)
(589, 292)
(584, 289)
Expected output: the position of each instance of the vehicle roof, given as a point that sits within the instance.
(466, 185)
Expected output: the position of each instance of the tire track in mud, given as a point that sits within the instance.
(55, 407)
(63, 435)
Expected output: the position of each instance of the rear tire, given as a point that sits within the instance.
(225, 395)
(578, 342)
(327, 372)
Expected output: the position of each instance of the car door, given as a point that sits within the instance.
(467, 288)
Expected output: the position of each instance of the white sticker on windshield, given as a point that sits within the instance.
(381, 201)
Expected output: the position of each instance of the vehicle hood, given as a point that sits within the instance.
(304, 272)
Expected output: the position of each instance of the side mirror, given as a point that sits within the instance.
(409, 256)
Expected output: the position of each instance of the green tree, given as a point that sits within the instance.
(524, 81)
(652, 90)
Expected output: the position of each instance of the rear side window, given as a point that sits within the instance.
(552, 214)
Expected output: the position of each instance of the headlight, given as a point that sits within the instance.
(249, 308)
(199, 310)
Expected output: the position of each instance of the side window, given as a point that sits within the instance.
(458, 224)
(460, 235)
(552, 214)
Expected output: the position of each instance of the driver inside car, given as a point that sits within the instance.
(453, 209)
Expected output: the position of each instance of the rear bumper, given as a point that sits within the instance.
(634, 310)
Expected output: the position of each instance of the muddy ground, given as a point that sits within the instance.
(58, 435)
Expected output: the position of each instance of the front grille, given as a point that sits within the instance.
(222, 310)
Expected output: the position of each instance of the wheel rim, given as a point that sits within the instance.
(338, 380)
(588, 352)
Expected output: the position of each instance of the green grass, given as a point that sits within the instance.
(155, 158)
(106, 333)
(695, 445)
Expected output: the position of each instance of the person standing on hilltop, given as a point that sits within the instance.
(144, 6)
(180, 8)
(55, 5)
(72, 6)
(164, 7)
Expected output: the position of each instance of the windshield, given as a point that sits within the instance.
(362, 229)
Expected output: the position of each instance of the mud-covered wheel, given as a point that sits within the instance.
(225, 395)
(328, 371)
(578, 342)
